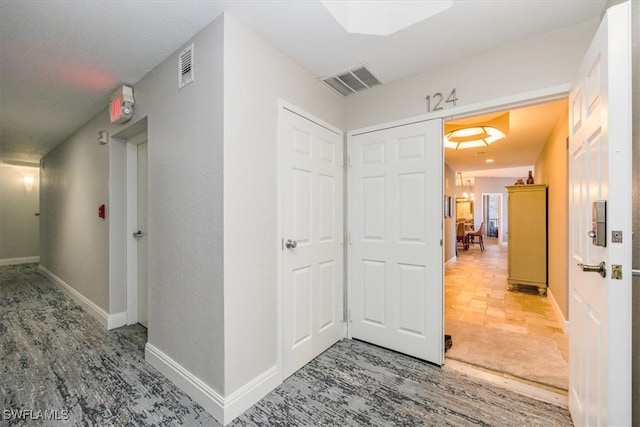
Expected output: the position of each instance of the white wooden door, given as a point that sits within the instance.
(312, 223)
(600, 169)
(142, 239)
(395, 222)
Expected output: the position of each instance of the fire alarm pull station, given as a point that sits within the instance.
(101, 211)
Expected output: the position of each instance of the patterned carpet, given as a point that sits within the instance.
(56, 362)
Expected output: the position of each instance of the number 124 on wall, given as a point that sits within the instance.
(437, 101)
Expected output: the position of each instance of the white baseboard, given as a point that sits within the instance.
(451, 260)
(116, 320)
(556, 309)
(223, 409)
(249, 394)
(24, 260)
(108, 321)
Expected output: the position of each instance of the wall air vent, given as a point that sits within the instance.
(351, 81)
(185, 67)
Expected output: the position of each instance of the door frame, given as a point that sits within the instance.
(281, 180)
(131, 147)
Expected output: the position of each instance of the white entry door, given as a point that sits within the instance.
(395, 221)
(600, 170)
(141, 238)
(312, 240)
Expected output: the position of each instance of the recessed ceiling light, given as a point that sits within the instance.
(489, 160)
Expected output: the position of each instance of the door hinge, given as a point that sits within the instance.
(440, 242)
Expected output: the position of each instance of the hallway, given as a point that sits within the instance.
(58, 360)
(476, 293)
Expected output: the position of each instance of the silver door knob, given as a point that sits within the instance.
(600, 268)
(291, 244)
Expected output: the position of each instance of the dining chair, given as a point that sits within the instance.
(461, 237)
(472, 235)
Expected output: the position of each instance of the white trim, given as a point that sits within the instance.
(116, 320)
(451, 260)
(210, 399)
(15, 261)
(224, 410)
(250, 393)
(510, 384)
(556, 309)
(132, 222)
(507, 102)
(306, 115)
(279, 245)
(108, 321)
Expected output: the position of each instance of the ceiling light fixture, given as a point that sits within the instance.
(466, 135)
(467, 192)
(477, 136)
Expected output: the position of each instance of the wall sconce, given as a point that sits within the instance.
(28, 182)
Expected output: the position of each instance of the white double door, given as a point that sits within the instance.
(395, 200)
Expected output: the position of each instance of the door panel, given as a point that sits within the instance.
(312, 217)
(395, 205)
(600, 169)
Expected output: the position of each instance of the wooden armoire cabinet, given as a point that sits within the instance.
(527, 236)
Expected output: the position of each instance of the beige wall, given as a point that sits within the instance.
(551, 169)
(74, 181)
(450, 223)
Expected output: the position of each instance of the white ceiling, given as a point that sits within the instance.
(62, 59)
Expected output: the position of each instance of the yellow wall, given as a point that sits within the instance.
(551, 169)
(450, 222)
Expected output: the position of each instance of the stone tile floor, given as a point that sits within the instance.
(476, 292)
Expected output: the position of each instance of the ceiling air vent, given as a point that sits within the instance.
(185, 67)
(352, 81)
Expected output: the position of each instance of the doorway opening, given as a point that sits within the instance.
(516, 334)
(492, 215)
